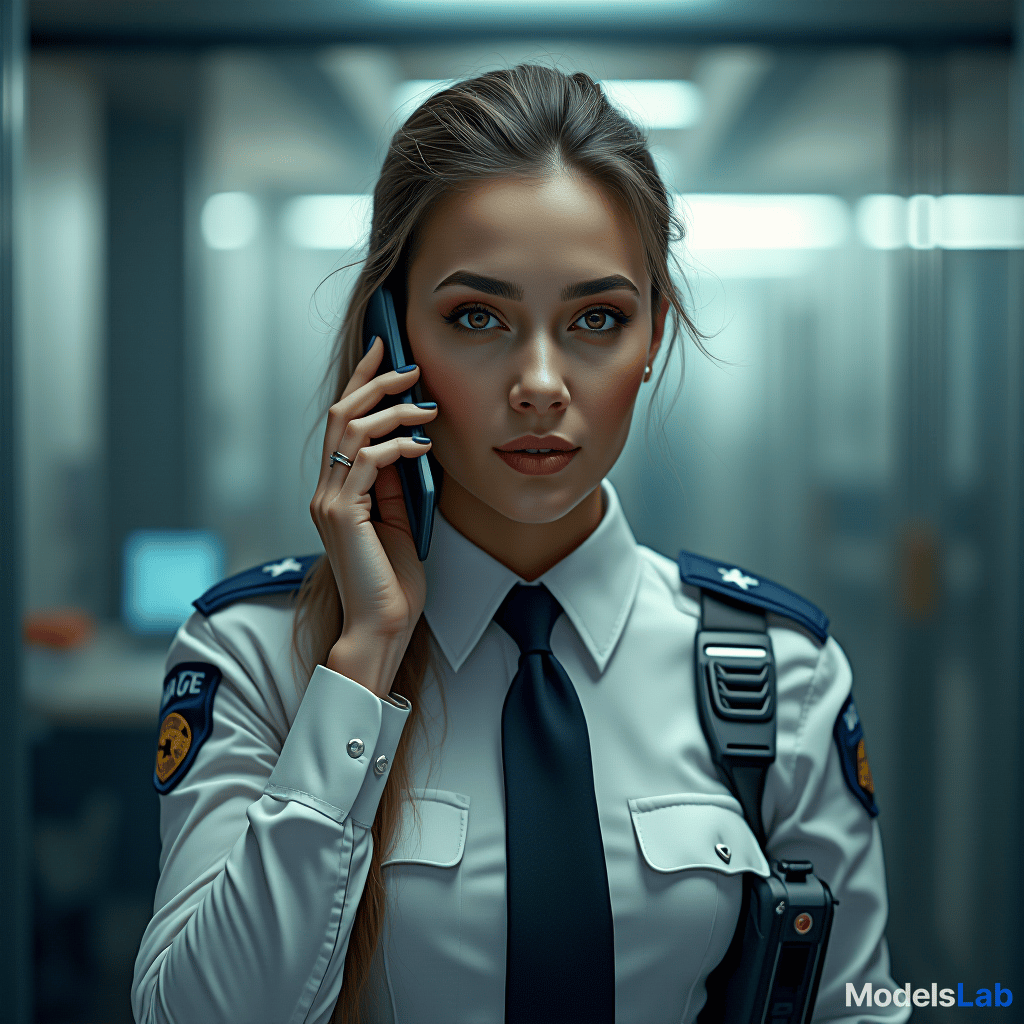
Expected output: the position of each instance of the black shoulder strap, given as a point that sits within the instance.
(735, 674)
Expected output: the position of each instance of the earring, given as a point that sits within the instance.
(647, 374)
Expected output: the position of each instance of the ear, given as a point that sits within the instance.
(657, 330)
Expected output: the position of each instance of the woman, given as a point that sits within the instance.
(392, 834)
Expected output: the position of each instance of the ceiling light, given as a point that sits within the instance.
(229, 220)
(657, 104)
(943, 222)
(327, 222)
(716, 221)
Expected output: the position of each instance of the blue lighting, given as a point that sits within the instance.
(164, 572)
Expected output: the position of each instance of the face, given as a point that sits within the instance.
(529, 313)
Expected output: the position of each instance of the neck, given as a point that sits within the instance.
(528, 549)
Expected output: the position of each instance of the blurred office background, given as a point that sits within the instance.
(852, 188)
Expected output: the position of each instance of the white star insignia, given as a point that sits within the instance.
(851, 717)
(287, 565)
(737, 577)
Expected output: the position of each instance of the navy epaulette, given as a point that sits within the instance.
(726, 579)
(269, 578)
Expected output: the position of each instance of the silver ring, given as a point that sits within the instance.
(338, 457)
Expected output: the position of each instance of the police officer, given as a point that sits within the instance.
(491, 798)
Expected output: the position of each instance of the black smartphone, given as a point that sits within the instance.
(417, 479)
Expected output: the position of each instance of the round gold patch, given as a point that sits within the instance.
(175, 739)
(803, 923)
(864, 770)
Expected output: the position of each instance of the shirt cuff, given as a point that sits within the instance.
(339, 750)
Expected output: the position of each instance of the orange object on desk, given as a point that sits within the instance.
(61, 628)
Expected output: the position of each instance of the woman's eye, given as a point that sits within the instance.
(597, 320)
(478, 320)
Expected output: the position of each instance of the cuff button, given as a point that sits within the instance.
(380, 766)
(355, 747)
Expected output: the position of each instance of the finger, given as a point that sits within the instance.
(366, 368)
(364, 398)
(335, 464)
(360, 402)
(360, 432)
(371, 459)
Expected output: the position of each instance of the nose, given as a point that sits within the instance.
(539, 383)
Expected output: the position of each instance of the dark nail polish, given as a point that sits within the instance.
(422, 440)
(426, 405)
(406, 368)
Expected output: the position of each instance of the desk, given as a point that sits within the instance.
(114, 681)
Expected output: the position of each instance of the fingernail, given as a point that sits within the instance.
(426, 405)
(422, 440)
(406, 368)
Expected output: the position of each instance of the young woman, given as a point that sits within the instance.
(476, 789)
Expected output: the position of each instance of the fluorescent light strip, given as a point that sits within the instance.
(735, 222)
(941, 222)
(715, 222)
(327, 222)
(656, 104)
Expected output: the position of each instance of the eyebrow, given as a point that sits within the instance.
(487, 285)
(508, 290)
(601, 284)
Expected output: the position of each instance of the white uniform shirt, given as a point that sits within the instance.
(266, 842)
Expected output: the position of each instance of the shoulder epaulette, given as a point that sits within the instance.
(269, 578)
(739, 585)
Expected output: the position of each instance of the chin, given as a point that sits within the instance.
(536, 512)
(536, 502)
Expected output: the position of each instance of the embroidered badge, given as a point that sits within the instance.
(171, 748)
(849, 736)
(186, 718)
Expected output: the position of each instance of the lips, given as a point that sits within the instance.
(534, 444)
(539, 464)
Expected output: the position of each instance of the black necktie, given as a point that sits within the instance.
(560, 959)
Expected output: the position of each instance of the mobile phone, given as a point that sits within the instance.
(381, 320)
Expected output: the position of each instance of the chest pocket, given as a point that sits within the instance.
(424, 886)
(702, 831)
(433, 830)
(693, 849)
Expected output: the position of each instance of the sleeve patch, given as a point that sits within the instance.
(186, 718)
(849, 735)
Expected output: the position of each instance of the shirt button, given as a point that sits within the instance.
(380, 766)
(355, 747)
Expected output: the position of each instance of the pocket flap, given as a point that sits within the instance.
(681, 831)
(433, 830)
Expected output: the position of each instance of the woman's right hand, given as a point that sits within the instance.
(379, 576)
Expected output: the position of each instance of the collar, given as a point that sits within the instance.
(595, 585)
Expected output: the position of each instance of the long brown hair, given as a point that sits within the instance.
(524, 122)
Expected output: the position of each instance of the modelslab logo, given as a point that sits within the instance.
(934, 996)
